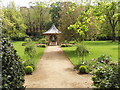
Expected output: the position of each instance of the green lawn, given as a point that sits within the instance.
(20, 50)
(96, 48)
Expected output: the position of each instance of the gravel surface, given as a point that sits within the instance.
(56, 71)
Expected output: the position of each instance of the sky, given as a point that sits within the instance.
(17, 2)
(22, 3)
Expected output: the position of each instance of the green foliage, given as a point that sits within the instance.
(26, 60)
(41, 45)
(104, 59)
(96, 49)
(107, 77)
(19, 37)
(107, 12)
(30, 50)
(82, 51)
(54, 11)
(43, 41)
(83, 69)
(13, 23)
(12, 69)
(66, 45)
(81, 25)
(28, 40)
(72, 42)
(28, 69)
(23, 44)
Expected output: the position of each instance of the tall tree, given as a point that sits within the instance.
(108, 11)
(54, 11)
(68, 17)
(13, 23)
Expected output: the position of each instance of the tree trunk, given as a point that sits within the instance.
(113, 34)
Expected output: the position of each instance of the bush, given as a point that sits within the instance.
(41, 45)
(30, 50)
(23, 44)
(12, 69)
(63, 45)
(83, 69)
(107, 77)
(82, 51)
(28, 39)
(66, 45)
(19, 37)
(72, 42)
(43, 41)
(28, 69)
(104, 59)
(29, 63)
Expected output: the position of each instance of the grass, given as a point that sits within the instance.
(20, 50)
(96, 48)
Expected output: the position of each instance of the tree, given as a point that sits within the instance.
(68, 17)
(13, 23)
(37, 18)
(54, 11)
(81, 25)
(108, 11)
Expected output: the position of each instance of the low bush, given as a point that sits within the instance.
(107, 77)
(19, 37)
(23, 44)
(41, 45)
(29, 63)
(77, 66)
(28, 39)
(104, 59)
(63, 45)
(72, 42)
(28, 69)
(66, 45)
(43, 41)
(83, 69)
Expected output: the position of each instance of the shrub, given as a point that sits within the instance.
(66, 45)
(72, 42)
(104, 59)
(43, 41)
(63, 45)
(82, 51)
(28, 69)
(28, 39)
(29, 63)
(107, 77)
(23, 44)
(19, 37)
(83, 69)
(12, 69)
(30, 50)
(41, 45)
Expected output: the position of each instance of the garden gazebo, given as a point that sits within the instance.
(53, 35)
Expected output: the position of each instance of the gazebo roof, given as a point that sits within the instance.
(52, 30)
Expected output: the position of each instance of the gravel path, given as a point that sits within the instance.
(55, 71)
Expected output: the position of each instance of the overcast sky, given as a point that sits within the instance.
(18, 2)
(24, 2)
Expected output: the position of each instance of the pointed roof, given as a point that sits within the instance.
(52, 30)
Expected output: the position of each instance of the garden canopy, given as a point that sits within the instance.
(52, 30)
